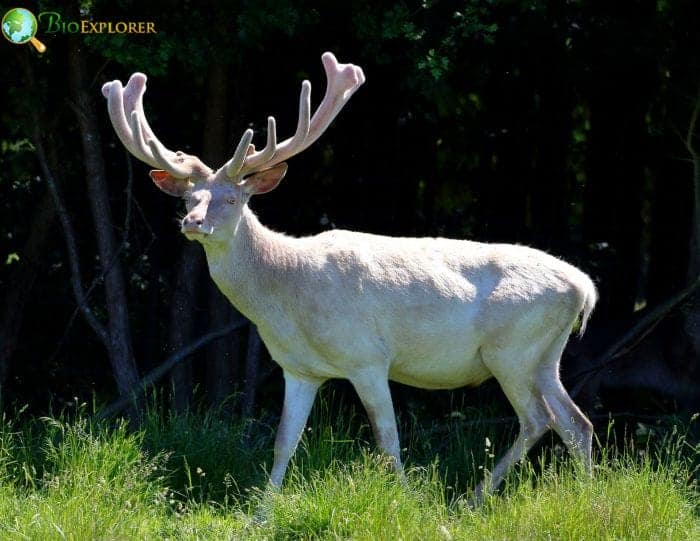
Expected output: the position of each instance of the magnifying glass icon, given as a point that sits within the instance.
(19, 26)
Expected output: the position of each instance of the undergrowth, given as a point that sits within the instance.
(202, 476)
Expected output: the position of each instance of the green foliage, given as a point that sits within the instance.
(550, 124)
(414, 28)
(256, 24)
(14, 154)
(63, 478)
(193, 35)
(374, 503)
(77, 480)
(16, 146)
(153, 57)
(210, 456)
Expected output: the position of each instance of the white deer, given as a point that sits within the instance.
(433, 313)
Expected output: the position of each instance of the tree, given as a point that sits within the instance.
(120, 349)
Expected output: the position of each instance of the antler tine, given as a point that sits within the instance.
(343, 81)
(233, 166)
(266, 159)
(114, 92)
(304, 121)
(138, 137)
(258, 159)
(166, 162)
(271, 146)
(250, 161)
(125, 106)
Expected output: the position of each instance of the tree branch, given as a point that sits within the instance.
(129, 197)
(634, 335)
(161, 370)
(66, 225)
(691, 128)
(511, 420)
(69, 236)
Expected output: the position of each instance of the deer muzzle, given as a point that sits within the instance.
(193, 224)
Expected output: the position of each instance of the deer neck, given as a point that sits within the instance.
(253, 269)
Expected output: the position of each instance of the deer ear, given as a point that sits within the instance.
(168, 183)
(265, 181)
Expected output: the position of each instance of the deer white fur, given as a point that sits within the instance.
(433, 313)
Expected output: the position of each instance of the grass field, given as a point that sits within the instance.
(195, 477)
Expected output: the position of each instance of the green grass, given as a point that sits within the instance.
(195, 476)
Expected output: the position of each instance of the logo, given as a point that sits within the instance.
(19, 26)
(55, 24)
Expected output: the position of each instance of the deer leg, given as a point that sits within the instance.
(535, 419)
(573, 427)
(299, 395)
(534, 415)
(373, 390)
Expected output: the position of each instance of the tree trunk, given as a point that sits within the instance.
(222, 355)
(120, 347)
(31, 263)
(252, 369)
(182, 320)
(692, 316)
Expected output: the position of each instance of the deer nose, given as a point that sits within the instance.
(192, 221)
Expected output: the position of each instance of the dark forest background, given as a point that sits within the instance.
(569, 126)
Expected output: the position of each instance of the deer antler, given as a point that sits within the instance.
(125, 106)
(343, 81)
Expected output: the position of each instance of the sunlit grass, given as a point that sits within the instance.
(77, 481)
(201, 476)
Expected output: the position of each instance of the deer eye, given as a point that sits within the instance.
(231, 200)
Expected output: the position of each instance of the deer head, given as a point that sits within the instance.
(215, 199)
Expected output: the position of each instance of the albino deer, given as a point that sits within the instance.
(429, 312)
